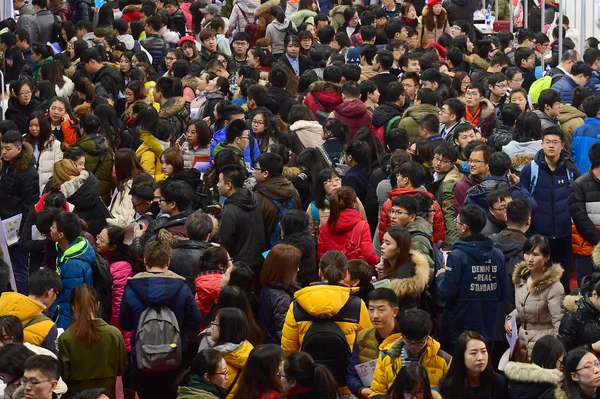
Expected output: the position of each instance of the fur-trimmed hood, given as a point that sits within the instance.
(69, 188)
(21, 164)
(322, 85)
(415, 285)
(266, 7)
(132, 8)
(552, 275)
(524, 372)
(190, 81)
(596, 255)
(171, 107)
(487, 108)
(570, 302)
(443, 16)
(477, 60)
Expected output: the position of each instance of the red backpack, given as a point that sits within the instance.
(251, 28)
(352, 248)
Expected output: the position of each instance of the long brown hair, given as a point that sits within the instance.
(281, 267)
(431, 21)
(84, 304)
(127, 166)
(402, 238)
(343, 198)
(333, 266)
(64, 170)
(174, 157)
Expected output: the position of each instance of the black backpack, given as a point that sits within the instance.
(325, 341)
(103, 284)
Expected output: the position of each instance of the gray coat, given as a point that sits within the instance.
(42, 27)
(26, 17)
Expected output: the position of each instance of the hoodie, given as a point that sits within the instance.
(570, 119)
(276, 32)
(501, 136)
(109, 82)
(385, 112)
(127, 40)
(411, 117)
(354, 114)
(327, 94)
(521, 153)
(26, 17)
(530, 381)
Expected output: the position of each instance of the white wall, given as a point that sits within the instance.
(573, 10)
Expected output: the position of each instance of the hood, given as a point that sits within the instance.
(111, 71)
(191, 176)
(127, 40)
(354, 109)
(417, 111)
(552, 275)
(487, 108)
(565, 160)
(401, 191)
(338, 10)
(171, 107)
(132, 8)
(570, 303)
(80, 249)
(310, 133)
(248, 6)
(385, 112)
(505, 241)
(157, 289)
(22, 162)
(236, 354)
(277, 188)
(477, 61)
(347, 220)
(243, 199)
(420, 225)
(529, 381)
(27, 9)
(20, 306)
(328, 94)
(190, 81)
(323, 300)
(415, 285)
(281, 26)
(70, 187)
(479, 250)
(266, 7)
(569, 112)
(490, 184)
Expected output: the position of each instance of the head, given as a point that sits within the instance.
(66, 228)
(452, 111)
(171, 161)
(210, 366)
(548, 352)
(515, 77)
(230, 326)
(300, 370)
(12, 362)
(11, 331)
(263, 370)
(412, 380)
(404, 210)
(395, 249)
(44, 286)
(383, 308)
(471, 220)
(177, 196)
(333, 267)
(445, 156)
(582, 372)
(518, 97)
(157, 255)
(281, 267)
(268, 165)
(40, 376)
(497, 201)
(537, 253)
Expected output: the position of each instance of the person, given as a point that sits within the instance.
(578, 327)
(435, 22)
(73, 263)
(209, 270)
(294, 63)
(302, 378)
(358, 158)
(208, 376)
(383, 310)
(479, 111)
(413, 380)
(237, 139)
(294, 228)
(572, 116)
(157, 287)
(44, 287)
(326, 299)
(474, 280)
(25, 10)
(261, 377)
(538, 298)
(153, 42)
(549, 107)
(42, 27)
(581, 370)
(242, 217)
(579, 76)
(90, 337)
(345, 229)
(352, 112)
(478, 158)
(586, 135)
(172, 106)
(413, 346)
(41, 376)
(108, 81)
(543, 376)
(425, 103)
(196, 148)
(278, 280)
(496, 202)
(229, 333)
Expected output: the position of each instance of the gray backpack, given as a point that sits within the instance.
(158, 340)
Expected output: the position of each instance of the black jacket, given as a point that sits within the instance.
(82, 10)
(173, 224)
(580, 326)
(385, 112)
(19, 184)
(84, 193)
(583, 203)
(185, 256)
(285, 100)
(176, 23)
(493, 225)
(241, 220)
(530, 381)
(198, 64)
(382, 81)
(567, 45)
(305, 242)
(501, 136)
(157, 47)
(274, 305)
(372, 203)
(108, 82)
(19, 113)
(176, 113)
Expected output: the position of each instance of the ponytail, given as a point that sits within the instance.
(325, 386)
(84, 304)
(278, 13)
(343, 198)
(300, 367)
(334, 266)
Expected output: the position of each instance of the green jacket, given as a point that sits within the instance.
(503, 10)
(419, 242)
(38, 65)
(222, 145)
(199, 388)
(306, 15)
(97, 151)
(337, 16)
(410, 119)
(443, 190)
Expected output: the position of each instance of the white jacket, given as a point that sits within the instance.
(46, 161)
(121, 208)
(67, 88)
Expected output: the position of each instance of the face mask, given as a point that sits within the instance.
(155, 208)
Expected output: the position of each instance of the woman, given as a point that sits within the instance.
(413, 382)
(135, 92)
(229, 332)
(264, 129)
(262, 377)
(337, 13)
(242, 14)
(62, 121)
(46, 149)
(518, 96)
(292, 50)
(171, 162)
(154, 137)
(341, 43)
(336, 135)
(217, 90)
(435, 22)
(515, 78)
(358, 158)
(262, 60)
(538, 296)
(407, 269)
(23, 103)
(278, 280)
(112, 128)
(294, 228)
(351, 22)
(410, 18)
(326, 183)
(471, 375)
(12, 367)
(16, 65)
(307, 132)
(63, 86)
(210, 266)
(527, 140)
(208, 377)
(312, 162)
(277, 31)
(40, 53)
(306, 42)
(460, 83)
(581, 375)
(189, 49)
(195, 149)
(304, 379)
(89, 337)
(84, 93)
(125, 65)
(305, 14)
(110, 243)
(540, 378)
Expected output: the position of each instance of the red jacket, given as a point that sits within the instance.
(439, 232)
(354, 114)
(121, 271)
(207, 289)
(327, 93)
(339, 235)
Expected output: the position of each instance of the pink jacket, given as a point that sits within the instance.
(121, 271)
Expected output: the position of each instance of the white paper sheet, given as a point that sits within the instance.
(512, 339)
(365, 372)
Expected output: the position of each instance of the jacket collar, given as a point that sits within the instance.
(592, 121)
(523, 372)
(411, 286)
(552, 275)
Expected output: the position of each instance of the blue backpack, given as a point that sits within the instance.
(283, 207)
(535, 169)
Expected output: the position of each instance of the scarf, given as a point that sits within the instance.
(410, 22)
(472, 118)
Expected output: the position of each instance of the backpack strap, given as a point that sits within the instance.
(535, 169)
(317, 101)
(35, 319)
(244, 14)
(349, 313)
(235, 380)
(391, 123)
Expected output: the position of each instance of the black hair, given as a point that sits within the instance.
(579, 94)
(234, 130)
(300, 367)
(393, 91)
(495, 196)
(69, 224)
(407, 202)
(48, 365)
(547, 351)
(414, 172)
(332, 74)
(234, 174)
(554, 131)
(43, 280)
(11, 326)
(12, 137)
(272, 163)
(415, 324)
(385, 58)
(447, 150)
(233, 326)
(509, 114)
(518, 211)
(591, 106)
(456, 107)
(581, 68)
(397, 139)
(430, 122)
(427, 96)
(13, 357)
(473, 217)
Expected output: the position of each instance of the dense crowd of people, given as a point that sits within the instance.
(298, 199)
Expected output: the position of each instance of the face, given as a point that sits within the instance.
(140, 205)
(552, 145)
(400, 217)
(210, 44)
(473, 98)
(441, 164)
(258, 124)
(410, 88)
(465, 84)
(80, 163)
(212, 84)
(243, 140)
(166, 168)
(129, 97)
(170, 9)
(580, 79)
(240, 47)
(253, 61)
(411, 13)
(499, 209)
(306, 43)
(219, 378)
(353, 21)
(477, 163)
(169, 60)
(34, 127)
(536, 260)
(214, 328)
(55, 235)
(529, 62)
(455, 31)
(588, 374)
(413, 41)
(37, 385)
(437, 9)
(292, 50)
(125, 65)
(426, 84)
(103, 245)
(541, 48)
(476, 356)
(413, 66)
(403, 35)
(191, 135)
(286, 383)
(332, 184)
(10, 151)
(520, 100)
(25, 94)
(374, 97)
(553, 111)
(389, 247)
(134, 61)
(381, 313)
(57, 111)
(499, 89)
(446, 116)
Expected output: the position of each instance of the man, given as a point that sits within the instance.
(465, 135)
(478, 159)
(525, 39)
(497, 86)
(414, 346)
(586, 134)
(409, 62)
(276, 195)
(85, 32)
(411, 82)
(548, 108)
(142, 196)
(278, 78)
(549, 178)
(391, 8)
(592, 58)
(26, 14)
(120, 28)
(158, 287)
(473, 282)
(154, 44)
(567, 44)
(451, 114)
(382, 63)
(74, 262)
(432, 79)
(40, 377)
(502, 135)
(428, 128)
(231, 113)
(425, 104)
(242, 217)
(209, 12)
(398, 48)
(460, 28)
(541, 46)
(237, 137)
(172, 108)
(569, 58)
(38, 330)
(525, 61)
(177, 19)
(108, 81)
(579, 76)
(389, 114)
(479, 111)
(368, 35)
(446, 177)
(24, 44)
(571, 115)
(496, 201)
(352, 111)
(42, 27)
(383, 309)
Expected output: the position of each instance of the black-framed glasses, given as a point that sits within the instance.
(136, 205)
(398, 212)
(224, 373)
(502, 209)
(214, 323)
(280, 375)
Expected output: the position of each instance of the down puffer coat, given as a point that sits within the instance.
(46, 161)
(530, 381)
(84, 193)
(538, 306)
(120, 271)
(207, 288)
(235, 356)
(584, 204)
(98, 161)
(274, 304)
(328, 94)
(19, 188)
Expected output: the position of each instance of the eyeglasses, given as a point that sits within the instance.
(561, 365)
(136, 205)
(475, 161)
(32, 383)
(590, 366)
(170, 58)
(240, 43)
(552, 142)
(257, 122)
(224, 373)
(501, 209)
(214, 323)
(280, 375)
(458, 221)
(443, 111)
(416, 343)
(410, 395)
(441, 160)
(502, 86)
(100, 239)
(470, 94)
(398, 212)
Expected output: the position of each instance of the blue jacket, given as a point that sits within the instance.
(583, 139)
(357, 178)
(594, 83)
(477, 195)
(472, 296)
(564, 87)
(552, 217)
(74, 266)
(166, 289)
(219, 136)
(274, 305)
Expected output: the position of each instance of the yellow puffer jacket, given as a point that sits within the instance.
(149, 152)
(25, 308)
(235, 355)
(435, 361)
